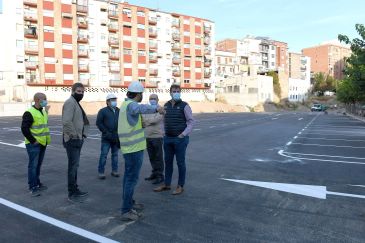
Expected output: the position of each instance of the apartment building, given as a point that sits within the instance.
(299, 77)
(328, 58)
(226, 64)
(103, 44)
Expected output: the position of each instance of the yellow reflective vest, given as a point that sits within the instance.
(39, 128)
(131, 138)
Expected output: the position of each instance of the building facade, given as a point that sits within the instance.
(103, 44)
(299, 77)
(328, 58)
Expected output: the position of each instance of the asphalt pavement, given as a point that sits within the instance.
(251, 177)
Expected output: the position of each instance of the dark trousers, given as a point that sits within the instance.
(155, 153)
(174, 146)
(105, 147)
(73, 150)
(36, 155)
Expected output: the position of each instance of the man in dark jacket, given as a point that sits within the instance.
(107, 122)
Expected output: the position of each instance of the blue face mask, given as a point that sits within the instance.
(113, 104)
(176, 96)
(153, 102)
(43, 103)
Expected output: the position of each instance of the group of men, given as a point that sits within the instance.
(132, 129)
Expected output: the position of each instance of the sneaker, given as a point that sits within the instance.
(34, 192)
(115, 174)
(138, 206)
(158, 180)
(101, 176)
(42, 187)
(131, 215)
(150, 178)
(79, 193)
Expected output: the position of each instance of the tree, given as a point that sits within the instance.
(355, 64)
(348, 92)
(323, 82)
(276, 83)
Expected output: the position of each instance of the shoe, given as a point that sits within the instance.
(178, 190)
(138, 206)
(158, 180)
(42, 187)
(115, 174)
(162, 188)
(101, 176)
(150, 178)
(79, 193)
(75, 199)
(34, 192)
(131, 215)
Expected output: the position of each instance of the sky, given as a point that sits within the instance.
(300, 23)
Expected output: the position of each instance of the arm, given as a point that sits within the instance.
(153, 119)
(68, 112)
(26, 124)
(100, 123)
(189, 120)
(134, 108)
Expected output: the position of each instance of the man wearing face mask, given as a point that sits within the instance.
(178, 125)
(154, 133)
(132, 143)
(36, 132)
(107, 122)
(75, 129)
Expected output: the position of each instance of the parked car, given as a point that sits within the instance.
(318, 107)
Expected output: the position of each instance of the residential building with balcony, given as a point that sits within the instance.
(299, 77)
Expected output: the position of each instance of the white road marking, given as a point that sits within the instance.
(20, 145)
(357, 185)
(282, 153)
(328, 145)
(274, 118)
(305, 190)
(57, 223)
(212, 127)
(324, 134)
(288, 143)
(300, 119)
(325, 155)
(334, 139)
(196, 129)
(295, 137)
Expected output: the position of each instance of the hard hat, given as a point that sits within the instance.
(136, 87)
(111, 96)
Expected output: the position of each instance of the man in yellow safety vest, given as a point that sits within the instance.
(36, 132)
(133, 142)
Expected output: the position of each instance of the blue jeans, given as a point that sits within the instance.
(133, 164)
(174, 146)
(36, 155)
(105, 146)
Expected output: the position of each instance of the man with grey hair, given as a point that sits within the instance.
(36, 132)
(153, 124)
(75, 129)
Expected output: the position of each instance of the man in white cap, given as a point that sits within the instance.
(107, 122)
(133, 143)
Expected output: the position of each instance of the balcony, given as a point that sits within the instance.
(153, 58)
(82, 23)
(176, 60)
(207, 28)
(153, 72)
(113, 41)
(176, 47)
(175, 23)
(176, 72)
(30, 3)
(31, 49)
(207, 74)
(82, 38)
(152, 32)
(206, 41)
(153, 45)
(83, 80)
(83, 9)
(83, 68)
(31, 32)
(207, 51)
(114, 68)
(152, 20)
(207, 63)
(176, 36)
(112, 14)
(31, 78)
(31, 65)
(113, 27)
(83, 53)
(114, 55)
(30, 16)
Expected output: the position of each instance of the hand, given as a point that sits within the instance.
(181, 136)
(161, 110)
(35, 143)
(47, 108)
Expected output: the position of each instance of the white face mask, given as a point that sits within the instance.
(113, 104)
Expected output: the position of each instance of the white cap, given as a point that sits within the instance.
(136, 87)
(111, 96)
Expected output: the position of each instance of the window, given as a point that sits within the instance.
(18, 10)
(19, 59)
(187, 45)
(127, 51)
(142, 80)
(140, 13)
(1, 76)
(20, 75)
(141, 26)
(126, 11)
(186, 81)
(141, 53)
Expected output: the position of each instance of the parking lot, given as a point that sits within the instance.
(252, 177)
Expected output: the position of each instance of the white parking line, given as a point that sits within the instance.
(300, 119)
(333, 139)
(325, 155)
(327, 145)
(55, 222)
(196, 129)
(326, 134)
